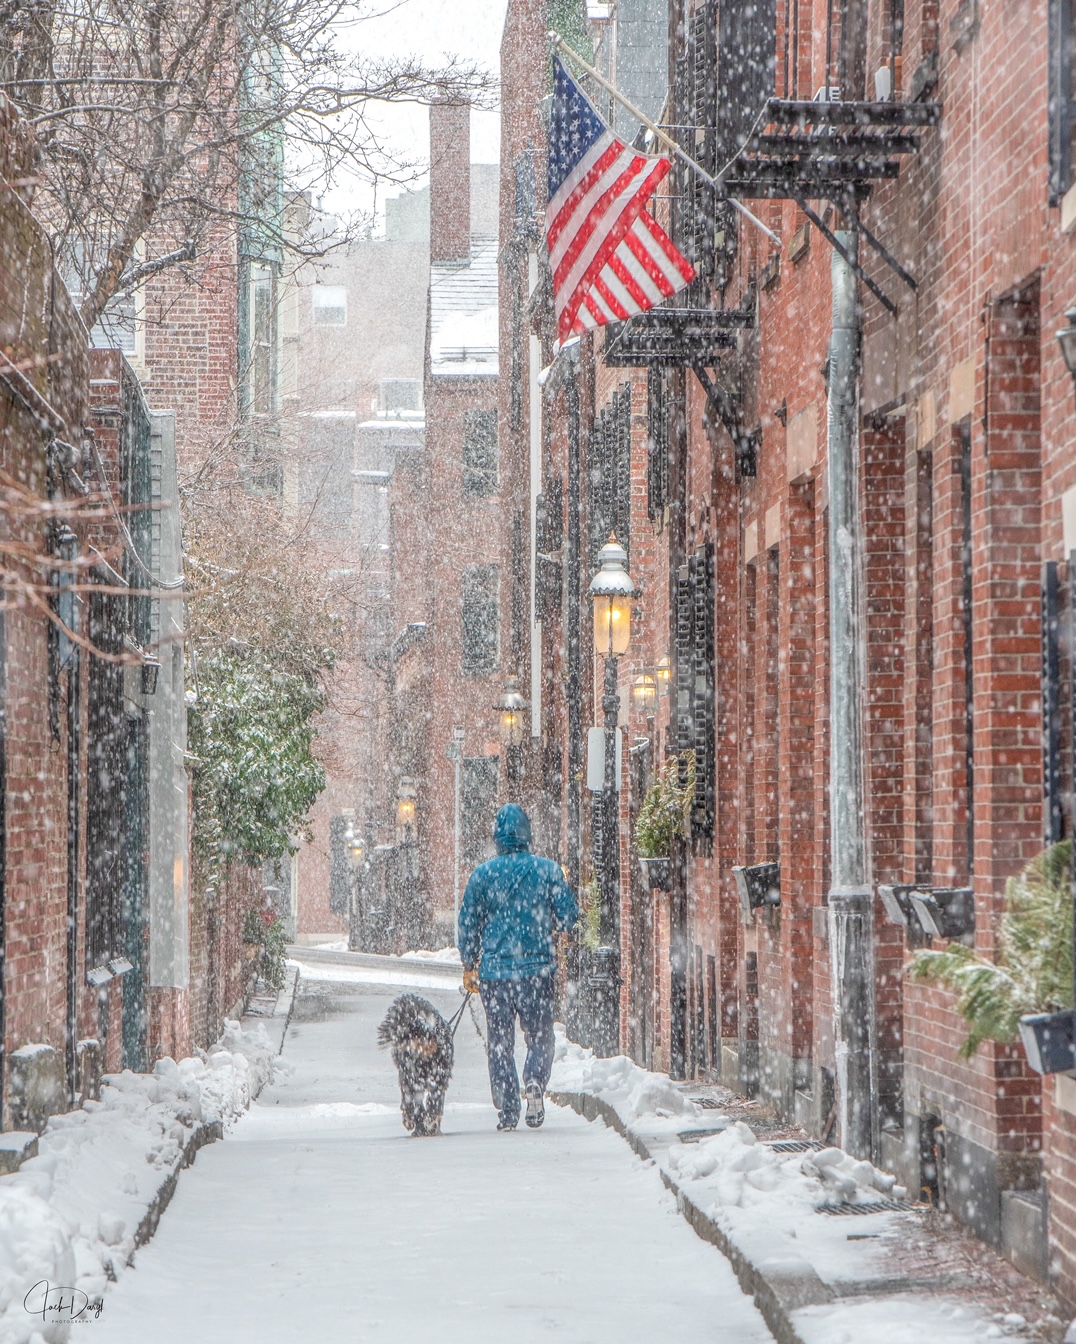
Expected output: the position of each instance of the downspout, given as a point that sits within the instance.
(851, 940)
(535, 473)
(572, 619)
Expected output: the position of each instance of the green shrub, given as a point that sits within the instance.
(251, 731)
(666, 806)
(1033, 969)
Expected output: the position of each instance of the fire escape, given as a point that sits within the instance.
(822, 152)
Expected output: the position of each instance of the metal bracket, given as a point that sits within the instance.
(745, 442)
(816, 219)
(888, 257)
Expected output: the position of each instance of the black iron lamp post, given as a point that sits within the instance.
(405, 895)
(356, 854)
(611, 591)
(511, 708)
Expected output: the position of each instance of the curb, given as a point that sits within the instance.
(776, 1294)
(209, 1131)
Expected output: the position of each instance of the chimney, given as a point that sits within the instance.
(450, 182)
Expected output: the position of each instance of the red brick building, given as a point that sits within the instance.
(701, 434)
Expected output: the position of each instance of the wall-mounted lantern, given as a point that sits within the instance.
(664, 674)
(1066, 339)
(644, 694)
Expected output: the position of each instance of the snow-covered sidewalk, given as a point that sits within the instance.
(319, 1218)
(72, 1216)
(819, 1275)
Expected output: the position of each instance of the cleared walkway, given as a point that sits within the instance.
(318, 1218)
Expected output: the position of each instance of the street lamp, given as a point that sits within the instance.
(611, 591)
(510, 708)
(356, 854)
(405, 809)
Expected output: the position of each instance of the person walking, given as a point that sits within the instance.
(512, 905)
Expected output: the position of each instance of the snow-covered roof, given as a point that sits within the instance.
(463, 315)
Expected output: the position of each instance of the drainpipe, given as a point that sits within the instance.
(851, 940)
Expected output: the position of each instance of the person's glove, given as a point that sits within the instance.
(470, 981)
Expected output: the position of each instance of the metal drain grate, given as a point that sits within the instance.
(708, 1103)
(796, 1146)
(875, 1206)
(697, 1135)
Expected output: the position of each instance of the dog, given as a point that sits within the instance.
(423, 1053)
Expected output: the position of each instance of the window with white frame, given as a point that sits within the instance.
(329, 305)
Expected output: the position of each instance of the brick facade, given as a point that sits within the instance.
(964, 466)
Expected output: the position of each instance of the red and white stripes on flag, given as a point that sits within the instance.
(609, 257)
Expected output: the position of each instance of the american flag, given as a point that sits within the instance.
(609, 257)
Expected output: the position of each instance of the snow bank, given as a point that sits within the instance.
(70, 1214)
(741, 1172)
(449, 955)
(632, 1092)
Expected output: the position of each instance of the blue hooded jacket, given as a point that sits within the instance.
(512, 904)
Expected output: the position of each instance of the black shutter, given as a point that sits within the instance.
(549, 537)
(621, 466)
(339, 868)
(694, 723)
(1060, 45)
(685, 662)
(480, 611)
(657, 444)
(746, 63)
(702, 75)
(598, 518)
(703, 810)
(1052, 812)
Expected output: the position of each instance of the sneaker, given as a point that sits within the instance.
(535, 1106)
(507, 1122)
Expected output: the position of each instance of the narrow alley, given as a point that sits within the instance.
(319, 1218)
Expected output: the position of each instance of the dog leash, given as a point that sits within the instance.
(457, 1018)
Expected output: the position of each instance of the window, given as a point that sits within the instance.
(263, 327)
(395, 395)
(480, 617)
(329, 305)
(118, 326)
(480, 453)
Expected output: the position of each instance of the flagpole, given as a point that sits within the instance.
(665, 139)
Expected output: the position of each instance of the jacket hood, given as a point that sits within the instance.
(512, 830)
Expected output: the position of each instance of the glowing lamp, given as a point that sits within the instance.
(644, 694)
(611, 591)
(511, 707)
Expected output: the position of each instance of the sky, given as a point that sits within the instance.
(432, 30)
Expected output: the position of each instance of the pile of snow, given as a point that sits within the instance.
(633, 1093)
(70, 1214)
(740, 1172)
(449, 955)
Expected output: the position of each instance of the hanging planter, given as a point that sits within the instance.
(656, 872)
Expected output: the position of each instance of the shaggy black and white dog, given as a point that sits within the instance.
(421, 1045)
